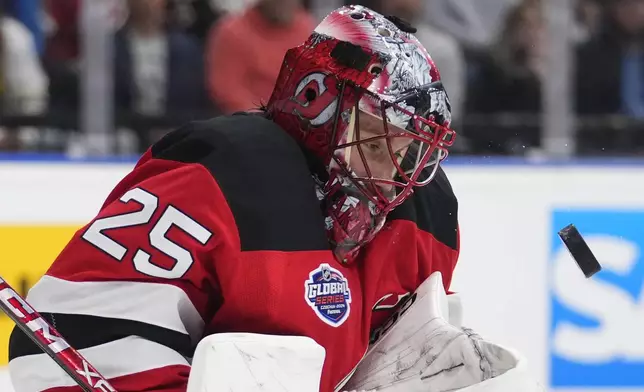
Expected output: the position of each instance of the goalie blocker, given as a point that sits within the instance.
(419, 350)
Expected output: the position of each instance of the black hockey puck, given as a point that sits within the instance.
(579, 250)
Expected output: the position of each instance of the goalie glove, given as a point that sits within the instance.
(422, 352)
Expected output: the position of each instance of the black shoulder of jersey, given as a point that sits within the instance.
(263, 175)
(434, 209)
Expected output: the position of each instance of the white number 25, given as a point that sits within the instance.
(170, 217)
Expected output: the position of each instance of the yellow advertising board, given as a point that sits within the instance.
(25, 254)
(42, 204)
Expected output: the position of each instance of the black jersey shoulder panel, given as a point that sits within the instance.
(434, 209)
(264, 177)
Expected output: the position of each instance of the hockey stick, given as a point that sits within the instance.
(50, 341)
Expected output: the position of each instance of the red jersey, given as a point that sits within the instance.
(218, 229)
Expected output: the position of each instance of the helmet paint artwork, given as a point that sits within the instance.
(358, 61)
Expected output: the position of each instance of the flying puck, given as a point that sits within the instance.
(579, 250)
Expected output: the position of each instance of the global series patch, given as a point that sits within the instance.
(327, 292)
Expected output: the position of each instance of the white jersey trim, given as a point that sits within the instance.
(115, 359)
(159, 304)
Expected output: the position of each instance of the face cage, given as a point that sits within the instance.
(428, 136)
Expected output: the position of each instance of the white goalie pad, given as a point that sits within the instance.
(423, 352)
(244, 362)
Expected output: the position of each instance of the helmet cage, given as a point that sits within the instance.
(429, 143)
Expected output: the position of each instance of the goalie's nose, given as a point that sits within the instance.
(384, 170)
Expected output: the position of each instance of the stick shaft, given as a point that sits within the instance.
(50, 341)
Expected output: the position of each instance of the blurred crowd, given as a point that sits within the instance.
(178, 59)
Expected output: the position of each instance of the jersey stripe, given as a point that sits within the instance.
(83, 331)
(142, 355)
(158, 304)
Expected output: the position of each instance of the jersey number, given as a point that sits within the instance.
(170, 217)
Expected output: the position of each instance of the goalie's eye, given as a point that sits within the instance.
(374, 147)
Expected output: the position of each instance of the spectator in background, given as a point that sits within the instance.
(509, 80)
(23, 82)
(158, 71)
(471, 22)
(587, 20)
(62, 54)
(245, 51)
(232, 6)
(194, 17)
(444, 49)
(29, 13)
(610, 68)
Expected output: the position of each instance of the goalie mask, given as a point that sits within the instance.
(365, 99)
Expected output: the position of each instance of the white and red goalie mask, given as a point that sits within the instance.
(357, 61)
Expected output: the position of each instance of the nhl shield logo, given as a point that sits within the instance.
(327, 292)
